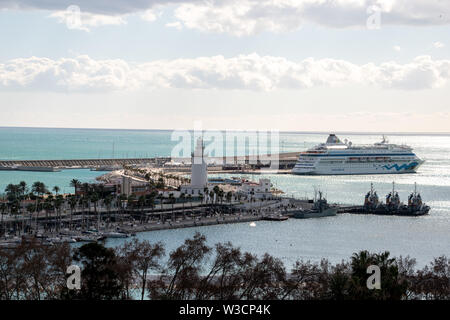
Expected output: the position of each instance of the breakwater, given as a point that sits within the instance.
(77, 163)
(285, 160)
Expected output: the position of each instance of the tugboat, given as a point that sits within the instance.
(320, 209)
(371, 201)
(415, 205)
(393, 206)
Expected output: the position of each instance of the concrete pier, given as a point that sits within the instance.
(286, 160)
(79, 163)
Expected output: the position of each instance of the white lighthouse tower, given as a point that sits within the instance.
(199, 171)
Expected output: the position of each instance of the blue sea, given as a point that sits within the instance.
(335, 238)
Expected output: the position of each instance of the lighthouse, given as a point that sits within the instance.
(199, 171)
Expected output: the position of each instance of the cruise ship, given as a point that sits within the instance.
(335, 157)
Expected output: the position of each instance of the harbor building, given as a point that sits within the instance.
(131, 186)
(260, 190)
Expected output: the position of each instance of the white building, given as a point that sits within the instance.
(261, 190)
(129, 186)
(199, 172)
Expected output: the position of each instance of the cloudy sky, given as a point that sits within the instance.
(291, 65)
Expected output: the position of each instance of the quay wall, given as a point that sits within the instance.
(285, 159)
(192, 223)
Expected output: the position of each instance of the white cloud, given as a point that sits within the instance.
(243, 72)
(105, 7)
(93, 13)
(438, 45)
(247, 17)
(176, 25)
(149, 15)
(152, 14)
(397, 48)
(85, 20)
(80, 74)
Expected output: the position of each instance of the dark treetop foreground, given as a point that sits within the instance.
(195, 271)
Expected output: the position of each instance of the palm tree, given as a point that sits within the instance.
(47, 206)
(82, 202)
(75, 183)
(160, 197)
(141, 203)
(182, 197)
(172, 202)
(229, 196)
(72, 203)
(87, 198)
(101, 190)
(57, 203)
(95, 198)
(23, 188)
(151, 201)
(85, 188)
(122, 198)
(39, 188)
(31, 208)
(211, 196)
(3, 208)
(190, 201)
(13, 206)
(107, 202)
(221, 194)
(216, 191)
(12, 191)
(56, 189)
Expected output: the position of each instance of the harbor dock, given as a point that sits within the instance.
(285, 161)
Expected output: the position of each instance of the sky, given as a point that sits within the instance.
(288, 65)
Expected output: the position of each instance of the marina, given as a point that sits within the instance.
(106, 223)
(349, 201)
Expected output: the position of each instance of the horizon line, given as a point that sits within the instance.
(239, 130)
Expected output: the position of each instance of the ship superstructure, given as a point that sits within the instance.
(335, 157)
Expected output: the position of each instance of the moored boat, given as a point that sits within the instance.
(393, 205)
(115, 235)
(320, 209)
(274, 217)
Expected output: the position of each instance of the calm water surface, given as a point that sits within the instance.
(335, 237)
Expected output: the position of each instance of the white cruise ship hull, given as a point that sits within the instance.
(337, 158)
(360, 168)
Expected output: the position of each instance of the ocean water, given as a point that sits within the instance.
(335, 238)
